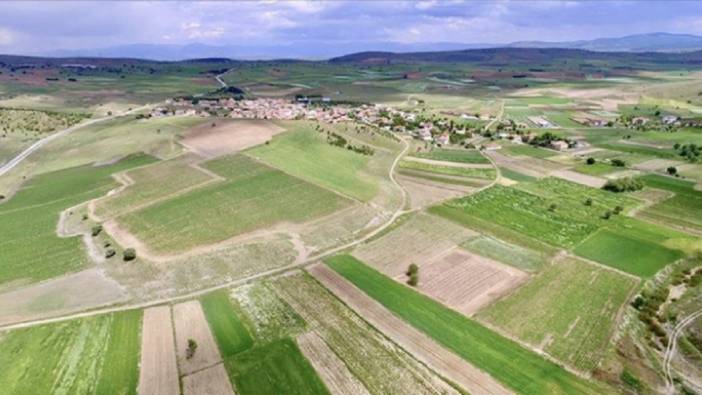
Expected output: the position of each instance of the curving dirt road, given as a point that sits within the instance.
(672, 347)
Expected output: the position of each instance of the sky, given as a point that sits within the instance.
(43, 27)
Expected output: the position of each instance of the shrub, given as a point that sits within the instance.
(631, 381)
(110, 253)
(607, 214)
(96, 230)
(588, 202)
(618, 209)
(413, 274)
(618, 163)
(672, 170)
(129, 254)
(590, 161)
(192, 347)
(626, 184)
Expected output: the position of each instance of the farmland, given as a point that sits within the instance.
(510, 363)
(172, 225)
(568, 310)
(684, 209)
(453, 155)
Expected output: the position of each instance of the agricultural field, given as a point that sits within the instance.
(683, 210)
(31, 249)
(568, 310)
(253, 196)
(93, 355)
(453, 155)
(518, 368)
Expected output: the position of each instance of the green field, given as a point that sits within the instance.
(151, 183)
(30, 250)
(570, 308)
(93, 355)
(275, 368)
(516, 176)
(630, 254)
(253, 196)
(597, 169)
(487, 174)
(683, 209)
(528, 150)
(229, 331)
(510, 254)
(453, 155)
(516, 367)
(303, 152)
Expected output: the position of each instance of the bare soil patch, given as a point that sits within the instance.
(210, 381)
(657, 164)
(446, 363)
(337, 377)
(583, 179)
(190, 323)
(423, 193)
(533, 167)
(64, 295)
(467, 282)
(228, 136)
(158, 373)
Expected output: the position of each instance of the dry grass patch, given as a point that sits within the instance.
(228, 136)
(158, 374)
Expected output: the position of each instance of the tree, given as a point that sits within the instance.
(590, 161)
(618, 209)
(192, 347)
(552, 207)
(96, 230)
(618, 163)
(606, 214)
(413, 274)
(626, 184)
(129, 254)
(672, 170)
(588, 202)
(110, 253)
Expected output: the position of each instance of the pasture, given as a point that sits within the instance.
(683, 210)
(31, 249)
(569, 310)
(253, 196)
(92, 355)
(518, 368)
(457, 171)
(304, 153)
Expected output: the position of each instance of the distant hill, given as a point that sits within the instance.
(650, 42)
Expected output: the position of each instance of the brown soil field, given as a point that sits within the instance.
(210, 381)
(657, 164)
(420, 240)
(446, 363)
(228, 136)
(158, 370)
(190, 323)
(337, 377)
(64, 295)
(423, 193)
(583, 179)
(467, 282)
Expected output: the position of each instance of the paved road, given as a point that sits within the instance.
(29, 150)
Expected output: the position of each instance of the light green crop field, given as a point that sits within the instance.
(569, 309)
(683, 209)
(229, 331)
(487, 174)
(454, 155)
(597, 169)
(94, 355)
(528, 150)
(30, 249)
(504, 252)
(151, 183)
(275, 368)
(633, 255)
(304, 153)
(254, 196)
(515, 176)
(518, 368)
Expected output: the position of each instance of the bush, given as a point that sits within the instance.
(590, 161)
(588, 202)
(110, 253)
(631, 381)
(626, 184)
(618, 163)
(129, 254)
(96, 230)
(192, 347)
(413, 274)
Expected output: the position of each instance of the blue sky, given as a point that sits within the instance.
(38, 27)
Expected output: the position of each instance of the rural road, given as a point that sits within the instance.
(218, 77)
(400, 211)
(498, 117)
(29, 150)
(672, 346)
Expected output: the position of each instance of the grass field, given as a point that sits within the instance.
(275, 368)
(304, 153)
(453, 155)
(630, 254)
(93, 355)
(253, 196)
(516, 176)
(569, 309)
(151, 183)
(520, 369)
(528, 150)
(30, 250)
(597, 169)
(229, 331)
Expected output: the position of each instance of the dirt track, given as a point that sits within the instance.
(422, 347)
